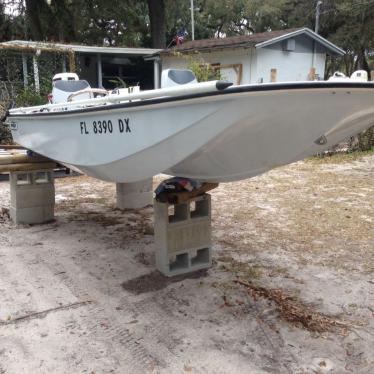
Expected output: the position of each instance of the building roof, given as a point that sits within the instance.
(34, 46)
(258, 40)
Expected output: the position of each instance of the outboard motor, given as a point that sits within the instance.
(65, 84)
(338, 76)
(177, 77)
(360, 75)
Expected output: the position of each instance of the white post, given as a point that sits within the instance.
(36, 73)
(63, 64)
(99, 72)
(24, 70)
(318, 12)
(192, 21)
(156, 73)
(316, 29)
(134, 195)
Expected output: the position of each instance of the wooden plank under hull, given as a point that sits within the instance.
(21, 159)
(27, 166)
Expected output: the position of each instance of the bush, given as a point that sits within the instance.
(29, 97)
(25, 97)
(203, 71)
(5, 134)
(366, 140)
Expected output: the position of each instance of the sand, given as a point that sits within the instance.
(81, 294)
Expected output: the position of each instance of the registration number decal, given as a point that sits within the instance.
(105, 126)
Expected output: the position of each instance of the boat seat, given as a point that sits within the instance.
(62, 89)
(177, 77)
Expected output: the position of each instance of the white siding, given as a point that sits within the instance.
(229, 57)
(257, 63)
(291, 66)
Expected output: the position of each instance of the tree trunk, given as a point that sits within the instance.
(362, 63)
(33, 17)
(64, 20)
(158, 25)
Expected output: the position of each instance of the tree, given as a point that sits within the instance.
(34, 12)
(158, 23)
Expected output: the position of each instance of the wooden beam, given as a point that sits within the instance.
(183, 196)
(312, 74)
(22, 159)
(238, 68)
(273, 75)
(11, 146)
(27, 167)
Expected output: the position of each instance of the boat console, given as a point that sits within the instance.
(177, 77)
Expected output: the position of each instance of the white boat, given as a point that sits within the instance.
(206, 131)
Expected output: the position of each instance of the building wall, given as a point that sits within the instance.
(257, 63)
(224, 57)
(291, 66)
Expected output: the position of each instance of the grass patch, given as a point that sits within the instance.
(99, 218)
(295, 312)
(337, 158)
(240, 269)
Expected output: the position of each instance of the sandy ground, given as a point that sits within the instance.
(81, 294)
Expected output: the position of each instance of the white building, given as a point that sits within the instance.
(278, 56)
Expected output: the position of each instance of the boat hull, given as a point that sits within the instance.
(220, 137)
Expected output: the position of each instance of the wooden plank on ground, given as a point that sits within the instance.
(21, 159)
(181, 197)
(11, 146)
(27, 167)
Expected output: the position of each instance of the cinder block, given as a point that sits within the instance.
(34, 215)
(134, 195)
(32, 196)
(183, 235)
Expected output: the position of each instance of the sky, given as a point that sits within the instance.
(11, 6)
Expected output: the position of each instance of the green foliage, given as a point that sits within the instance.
(225, 17)
(29, 97)
(118, 82)
(340, 157)
(347, 23)
(5, 134)
(203, 71)
(366, 140)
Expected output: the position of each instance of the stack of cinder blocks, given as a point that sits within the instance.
(183, 235)
(32, 196)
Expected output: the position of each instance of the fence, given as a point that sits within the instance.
(26, 76)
